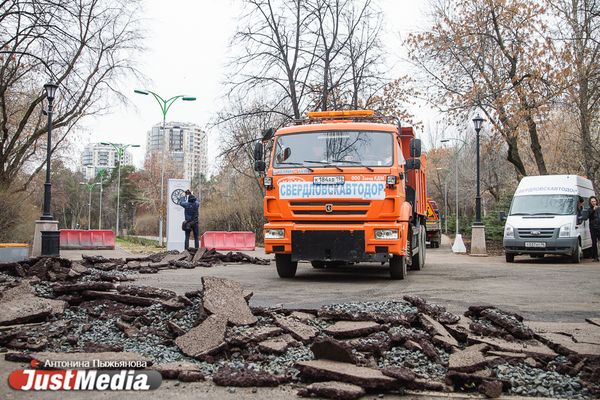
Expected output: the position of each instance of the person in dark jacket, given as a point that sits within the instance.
(191, 213)
(594, 225)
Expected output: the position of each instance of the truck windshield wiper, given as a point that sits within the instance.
(325, 163)
(296, 163)
(520, 214)
(356, 163)
(546, 213)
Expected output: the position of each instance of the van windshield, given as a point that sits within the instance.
(554, 204)
(334, 149)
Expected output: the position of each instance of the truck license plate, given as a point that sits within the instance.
(328, 180)
(535, 244)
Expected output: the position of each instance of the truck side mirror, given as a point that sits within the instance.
(258, 151)
(268, 134)
(259, 164)
(413, 163)
(415, 147)
(502, 216)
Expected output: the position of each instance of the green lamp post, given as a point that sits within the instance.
(101, 171)
(446, 197)
(456, 173)
(165, 105)
(90, 186)
(120, 151)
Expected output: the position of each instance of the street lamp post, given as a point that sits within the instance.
(456, 174)
(478, 230)
(120, 151)
(477, 121)
(90, 186)
(445, 197)
(50, 239)
(164, 106)
(101, 171)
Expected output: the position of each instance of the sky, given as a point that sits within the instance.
(187, 52)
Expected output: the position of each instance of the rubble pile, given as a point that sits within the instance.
(51, 309)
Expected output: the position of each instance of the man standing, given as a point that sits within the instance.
(191, 213)
(594, 225)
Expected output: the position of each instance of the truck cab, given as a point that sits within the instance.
(344, 187)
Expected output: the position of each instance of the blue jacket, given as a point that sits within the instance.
(191, 207)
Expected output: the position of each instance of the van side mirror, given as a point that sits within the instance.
(415, 147)
(584, 216)
(413, 163)
(502, 216)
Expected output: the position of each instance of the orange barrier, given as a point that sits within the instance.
(228, 240)
(71, 239)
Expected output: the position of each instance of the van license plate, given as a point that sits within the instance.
(535, 244)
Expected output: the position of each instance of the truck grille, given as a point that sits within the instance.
(533, 233)
(337, 207)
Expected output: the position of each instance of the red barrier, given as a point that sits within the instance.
(71, 239)
(228, 240)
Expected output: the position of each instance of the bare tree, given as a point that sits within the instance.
(84, 46)
(493, 55)
(277, 53)
(579, 29)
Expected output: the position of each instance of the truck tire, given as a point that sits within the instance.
(398, 267)
(286, 268)
(576, 256)
(418, 260)
(510, 257)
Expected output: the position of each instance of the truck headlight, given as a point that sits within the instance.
(274, 233)
(565, 231)
(268, 181)
(386, 234)
(509, 231)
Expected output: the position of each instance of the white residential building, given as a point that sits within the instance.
(97, 155)
(186, 143)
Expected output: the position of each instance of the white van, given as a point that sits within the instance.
(545, 217)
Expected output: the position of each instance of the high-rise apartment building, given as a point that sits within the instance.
(187, 144)
(97, 155)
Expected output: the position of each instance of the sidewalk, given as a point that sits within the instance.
(116, 253)
(121, 253)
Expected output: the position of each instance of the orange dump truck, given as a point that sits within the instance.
(434, 225)
(344, 187)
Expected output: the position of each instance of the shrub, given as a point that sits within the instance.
(17, 219)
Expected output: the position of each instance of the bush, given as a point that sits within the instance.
(233, 217)
(147, 225)
(17, 219)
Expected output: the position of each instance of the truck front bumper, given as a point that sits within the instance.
(353, 243)
(552, 246)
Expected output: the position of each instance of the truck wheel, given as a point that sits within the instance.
(286, 268)
(317, 264)
(398, 267)
(576, 256)
(510, 257)
(418, 260)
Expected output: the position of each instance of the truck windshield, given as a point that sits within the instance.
(555, 204)
(331, 149)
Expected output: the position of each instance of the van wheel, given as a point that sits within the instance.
(510, 257)
(576, 256)
(317, 264)
(286, 268)
(398, 267)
